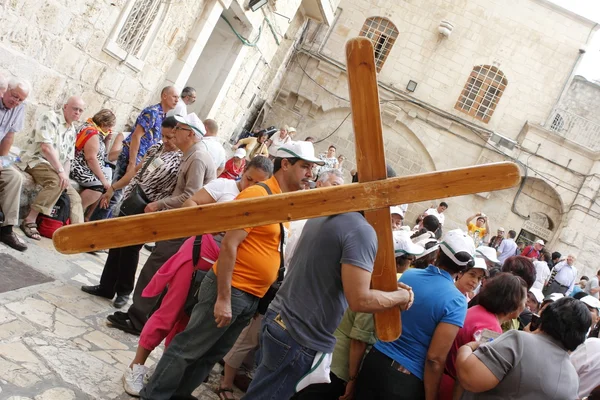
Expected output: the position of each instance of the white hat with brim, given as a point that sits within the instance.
(480, 263)
(299, 149)
(193, 122)
(397, 210)
(540, 241)
(403, 244)
(456, 241)
(591, 301)
(539, 296)
(488, 252)
(554, 297)
(240, 153)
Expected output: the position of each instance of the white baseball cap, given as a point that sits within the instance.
(480, 263)
(540, 241)
(591, 301)
(240, 153)
(403, 244)
(193, 122)
(299, 149)
(456, 241)
(397, 210)
(487, 252)
(539, 296)
(554, 297)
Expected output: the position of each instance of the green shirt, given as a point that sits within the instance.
(358, 326)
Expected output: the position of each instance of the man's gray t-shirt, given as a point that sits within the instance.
(592, 284)
(311, 299)
(529, 367)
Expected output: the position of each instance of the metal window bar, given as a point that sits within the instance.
(383, 34)
(138, 24)
(482, 92)
(557, 123)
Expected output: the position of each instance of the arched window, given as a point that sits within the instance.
(383, 34)
(482, 92)
(135, 31)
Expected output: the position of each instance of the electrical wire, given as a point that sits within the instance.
(335, 130)
(242, 39)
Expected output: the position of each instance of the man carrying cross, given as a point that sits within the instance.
(247, 266)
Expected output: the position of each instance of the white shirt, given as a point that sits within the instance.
(438, 215)
(180, 108)
(296, 228)
(565, 275)
(222, 189)
(586, 360)
(542, 273)
(216, 150)
(277, 142)
(592, 284)
(507, 248)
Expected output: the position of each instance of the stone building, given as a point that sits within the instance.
(465, 83)
(118, 54)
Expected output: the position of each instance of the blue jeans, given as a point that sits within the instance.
(194, 352)
(105, 213)
(283, 362)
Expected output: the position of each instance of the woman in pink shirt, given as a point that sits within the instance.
(502, 299)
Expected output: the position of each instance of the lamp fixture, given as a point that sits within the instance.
(255, 5)
(411, 86)
(445, 28)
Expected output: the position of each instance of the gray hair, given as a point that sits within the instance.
(22, 84)
(187, 91)
(3, 82)
(324, 176)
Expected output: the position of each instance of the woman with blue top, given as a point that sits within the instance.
(411, 367)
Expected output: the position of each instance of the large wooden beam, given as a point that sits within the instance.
(137, 229)
(371, 166)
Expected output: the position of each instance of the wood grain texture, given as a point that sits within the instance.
(164, 225)
(370, 165)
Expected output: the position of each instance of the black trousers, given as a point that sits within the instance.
(118, 275)
(323, 391)
(142, 306)
(379, 380)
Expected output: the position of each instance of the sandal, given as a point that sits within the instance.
(223, 393)
(30, 230)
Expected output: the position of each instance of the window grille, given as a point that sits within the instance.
(134, 32)
(383, 34)
(557, 123)
(482, 92)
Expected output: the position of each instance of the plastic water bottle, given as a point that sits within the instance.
(8, 160)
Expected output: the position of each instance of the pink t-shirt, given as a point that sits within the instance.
(477, 319)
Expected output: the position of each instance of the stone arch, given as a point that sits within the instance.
(540, 202)
(404, 150)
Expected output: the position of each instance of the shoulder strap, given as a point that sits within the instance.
(149, 161)
(282, 235)
(196, 250)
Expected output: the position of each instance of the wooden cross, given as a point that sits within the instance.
(374, 195)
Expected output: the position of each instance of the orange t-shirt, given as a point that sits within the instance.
(258, 260)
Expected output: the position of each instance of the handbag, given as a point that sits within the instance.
(137, 200)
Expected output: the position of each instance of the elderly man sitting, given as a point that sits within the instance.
(47, 158)
(12, 114)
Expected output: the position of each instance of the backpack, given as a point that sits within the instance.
(59, 217)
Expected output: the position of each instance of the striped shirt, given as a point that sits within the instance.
(160, 177)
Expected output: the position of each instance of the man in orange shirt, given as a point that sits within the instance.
(248, 265)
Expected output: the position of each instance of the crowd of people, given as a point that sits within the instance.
(292, 303)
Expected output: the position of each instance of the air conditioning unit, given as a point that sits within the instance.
(502, 141)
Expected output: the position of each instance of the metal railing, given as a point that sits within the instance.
(576, 128)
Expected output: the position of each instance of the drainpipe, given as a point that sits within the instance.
(330, 30)
(569, 79)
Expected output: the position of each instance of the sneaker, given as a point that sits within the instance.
(149, 373)
(133, 379)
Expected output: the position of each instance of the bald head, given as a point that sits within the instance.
(72, 110)
(212, 128)
(169, 97)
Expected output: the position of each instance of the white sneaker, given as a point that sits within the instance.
(133, 379)
(149, 373)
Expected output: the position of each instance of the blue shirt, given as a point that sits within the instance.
(150, 119)
(436, 300)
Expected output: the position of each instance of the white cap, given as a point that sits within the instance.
(299, 149)
(540, 241)
(240, 153)
(423, 240)
(487, 252)
(193, 122)
(403, 244)
(539, 296)
(480, 263)
(456, 241)
(591, 301)
(397, 210)
(554, 297)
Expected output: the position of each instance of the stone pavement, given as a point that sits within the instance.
(54, 340)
